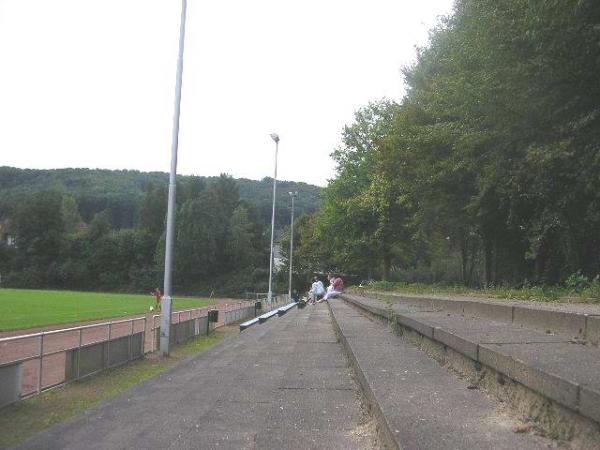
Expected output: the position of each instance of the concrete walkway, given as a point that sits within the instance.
(284, 384)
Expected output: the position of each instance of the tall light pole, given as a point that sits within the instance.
(275, 137)
(294, 195)
(165, 313)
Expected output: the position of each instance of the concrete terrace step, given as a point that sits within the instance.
(418, 403)
(574, 320)
(552, 365)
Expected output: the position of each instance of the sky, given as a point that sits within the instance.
(90, 83)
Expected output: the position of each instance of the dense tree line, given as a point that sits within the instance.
(121, 193)
(488, 170)
(222, 240)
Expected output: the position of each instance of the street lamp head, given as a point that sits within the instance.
(293, 194)
(275, 137)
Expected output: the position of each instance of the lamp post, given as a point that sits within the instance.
(275, 138)
(165, 313)
(294, 195)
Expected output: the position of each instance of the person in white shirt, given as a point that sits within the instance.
(317, 291)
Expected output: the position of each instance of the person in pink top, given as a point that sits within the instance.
(338, 284)
(335, 288)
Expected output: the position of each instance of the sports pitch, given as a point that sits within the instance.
(24, 308)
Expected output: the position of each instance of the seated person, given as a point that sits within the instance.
(295, 296)
(338, 284)
(336, 287)
(317, 291)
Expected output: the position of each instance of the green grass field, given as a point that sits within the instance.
(24, 308)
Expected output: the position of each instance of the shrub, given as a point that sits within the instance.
(577, 281)
(595, 287)
(384, 285)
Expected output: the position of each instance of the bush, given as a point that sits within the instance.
(577, 281)
(595, 287)
(384, 285)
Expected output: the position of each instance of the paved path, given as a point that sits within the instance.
(284, 384)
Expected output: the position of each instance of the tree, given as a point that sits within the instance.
(358, 210)
(39, 230)
(311, 254)
(192, 187)
(223, 241)
(199, 227)
(153, 211)
(489, 164)
(240, 245)
(70, 213)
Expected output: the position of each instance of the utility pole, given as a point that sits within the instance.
(294, 195)
(275, 138)
(165, 313)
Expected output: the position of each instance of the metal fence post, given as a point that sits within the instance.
(131, 340)
(41, 367)
(108, 344)
(79, 351)
(152, 337)
(153, 333)
(144, 336)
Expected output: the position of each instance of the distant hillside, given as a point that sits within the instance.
(120, 192)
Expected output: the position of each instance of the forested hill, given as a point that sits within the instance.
(121, 192)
